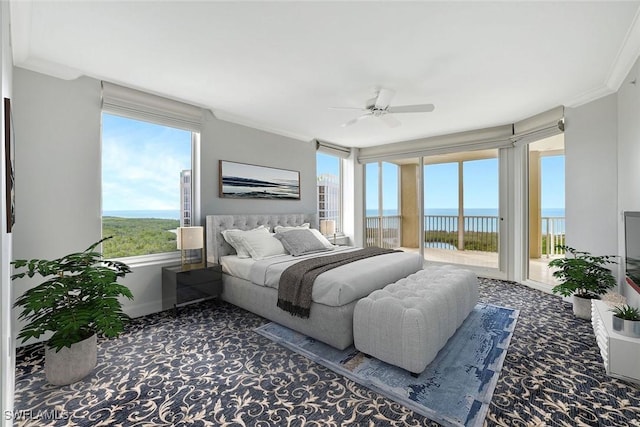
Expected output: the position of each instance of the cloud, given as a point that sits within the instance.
(141, 164)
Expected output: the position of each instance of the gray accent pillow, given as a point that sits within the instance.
(300, 242)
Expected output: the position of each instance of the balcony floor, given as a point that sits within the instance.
(538, 268)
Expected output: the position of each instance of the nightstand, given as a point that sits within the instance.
(340, 240)
(181, 286)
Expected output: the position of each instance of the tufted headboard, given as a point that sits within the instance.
(217, 246)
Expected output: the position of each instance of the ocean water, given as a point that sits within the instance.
(162, 214)
(487, 225)
(549, 212)
(554, 213)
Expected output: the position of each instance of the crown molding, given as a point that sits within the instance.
(243, 121)
(590, 95)
(20, 13)
(626, 57)
(50, 68)
(20, 29)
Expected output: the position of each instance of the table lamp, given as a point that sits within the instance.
(191, 239)
(328, 227)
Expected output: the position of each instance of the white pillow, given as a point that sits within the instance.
(261, 245)
(327, 244)
(301, 242)
(231, 236)
(281, 229)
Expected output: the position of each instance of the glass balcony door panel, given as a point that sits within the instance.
(481, 207)
(383, 222)
(372, 205)
(461, 205)
(441, 209)
(391, 227)
(546, 215)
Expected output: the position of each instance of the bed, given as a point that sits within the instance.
(252, 283)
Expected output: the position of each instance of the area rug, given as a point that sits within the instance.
(455, 389)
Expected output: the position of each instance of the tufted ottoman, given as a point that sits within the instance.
(407, 322)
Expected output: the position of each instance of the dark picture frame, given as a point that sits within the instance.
(9, 150)
(247, 181)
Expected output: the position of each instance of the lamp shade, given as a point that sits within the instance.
(327, 226)
(190, 238)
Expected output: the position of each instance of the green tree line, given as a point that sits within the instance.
(478, 240)
(138, 236)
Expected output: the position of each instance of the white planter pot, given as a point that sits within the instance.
(628, 328)
(582, 307)
(71, 364)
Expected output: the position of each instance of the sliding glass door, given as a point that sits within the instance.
(383, 221)
(461, 205)
(445, 206)
(546, 224)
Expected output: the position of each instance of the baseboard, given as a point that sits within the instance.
(139, 310)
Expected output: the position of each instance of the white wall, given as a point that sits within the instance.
(228, 141)
(628, 159)
(591, 183)
(59, 183)
(7, 348)
(602, 142)
(57, 164)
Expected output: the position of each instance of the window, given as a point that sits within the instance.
(147, 187)
(546, 214)
(329, 188)
(382, 215)
(461, 205)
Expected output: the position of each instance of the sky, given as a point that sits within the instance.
(552, 187)
(327, 164)
(480, 183)
(141, 164)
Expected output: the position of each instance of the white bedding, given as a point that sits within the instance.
(233, 265)
(335, 287)
(241, 267)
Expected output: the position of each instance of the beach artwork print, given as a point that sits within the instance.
(244, 181)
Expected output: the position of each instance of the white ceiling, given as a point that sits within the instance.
(279, 66)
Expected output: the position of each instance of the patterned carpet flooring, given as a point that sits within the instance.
(208, 368)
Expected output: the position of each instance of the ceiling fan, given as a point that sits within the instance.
(379, 107)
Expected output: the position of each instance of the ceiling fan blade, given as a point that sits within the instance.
(419, 108)
(356, 120)
(370, 103)
(348, 108)
(390, 121)
(384, 98)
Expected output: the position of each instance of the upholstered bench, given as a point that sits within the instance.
(407, 322)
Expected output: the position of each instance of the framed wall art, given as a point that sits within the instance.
(9, 149)
(245, 181)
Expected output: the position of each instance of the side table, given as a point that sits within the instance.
(620, 354)
(182, 286)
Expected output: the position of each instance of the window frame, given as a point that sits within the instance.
(135, 105)
(340, 213)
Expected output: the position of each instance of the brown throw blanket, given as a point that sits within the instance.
(296, 282)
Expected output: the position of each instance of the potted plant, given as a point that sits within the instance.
(584, 276)
(626, 320)
(77, 300)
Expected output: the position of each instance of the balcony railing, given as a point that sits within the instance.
(478, 233)
(383, 231)
(553, 228)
